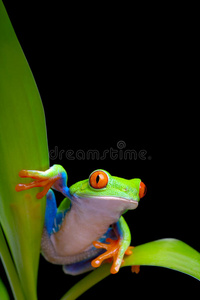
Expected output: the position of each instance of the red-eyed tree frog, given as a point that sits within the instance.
(87, 228)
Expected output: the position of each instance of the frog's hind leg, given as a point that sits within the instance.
(79, 267)
(85, 265)
(115, 248)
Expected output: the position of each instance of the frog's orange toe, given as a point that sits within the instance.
(135, 269)
(96, 263)
(23, 173)
(115, 269)
(129, 250)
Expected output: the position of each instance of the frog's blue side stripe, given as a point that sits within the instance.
(50, 213)
(53, 218)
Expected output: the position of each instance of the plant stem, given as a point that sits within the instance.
(87, 282)
(10, 269)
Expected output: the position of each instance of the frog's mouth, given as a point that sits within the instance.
(112, 200)
(131, 204)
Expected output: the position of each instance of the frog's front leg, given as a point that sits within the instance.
(116, 249)
(55, 177)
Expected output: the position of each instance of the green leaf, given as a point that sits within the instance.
(3, 292)
(168, 253)
(10, 268)
(23, 145)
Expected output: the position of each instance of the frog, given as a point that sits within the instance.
(88, 227)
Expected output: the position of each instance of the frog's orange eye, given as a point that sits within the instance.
(142, 190)
(98, 180)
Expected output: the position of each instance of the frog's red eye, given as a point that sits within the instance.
(98, 180)
(142, 190)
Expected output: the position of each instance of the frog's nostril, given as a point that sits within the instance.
(142, 190)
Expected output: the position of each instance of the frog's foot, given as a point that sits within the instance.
(135, 269)
(42, 179)
(113, 252)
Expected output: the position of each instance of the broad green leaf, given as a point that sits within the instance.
(168, 253)
(23, 145)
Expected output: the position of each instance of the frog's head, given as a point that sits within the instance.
(110, 192)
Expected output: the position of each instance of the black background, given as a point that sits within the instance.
(107, 76)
